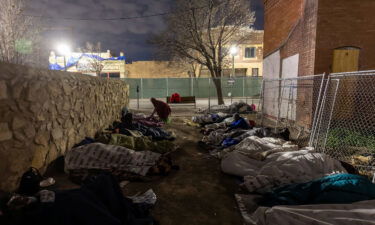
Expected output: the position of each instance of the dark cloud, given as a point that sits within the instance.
(128, 35)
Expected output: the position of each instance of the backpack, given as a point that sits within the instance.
(30, 182)
(175, 98)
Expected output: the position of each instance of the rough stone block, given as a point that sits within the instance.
(42, 138)
(5, 133)
(18, 122)
(40, 156)
(29, 131)
(57, 134)
(3, 90)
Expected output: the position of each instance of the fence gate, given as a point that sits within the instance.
(345, 125)
(290, 103)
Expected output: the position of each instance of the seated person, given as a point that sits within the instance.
(238, 123)
(162, 109)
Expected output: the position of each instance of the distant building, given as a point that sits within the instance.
(156, 69)
(248, 62)
(305, 37)
(249, 59)
(87, 63)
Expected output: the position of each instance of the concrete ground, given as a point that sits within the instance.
(197, 194)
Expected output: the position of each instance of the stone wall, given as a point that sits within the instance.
(44, 113)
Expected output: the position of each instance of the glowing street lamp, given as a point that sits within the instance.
(233, 51)
(64, 49)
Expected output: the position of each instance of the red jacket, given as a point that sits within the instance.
(162, 109)
(175, 98)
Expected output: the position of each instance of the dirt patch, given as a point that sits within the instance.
(199, 193)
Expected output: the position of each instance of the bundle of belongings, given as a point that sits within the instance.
(236, 107)
(98, 201)
(175, 98)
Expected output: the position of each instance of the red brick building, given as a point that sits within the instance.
(306, 37)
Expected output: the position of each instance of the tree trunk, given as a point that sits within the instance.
(219, 91)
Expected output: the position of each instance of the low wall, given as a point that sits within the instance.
(44, 113)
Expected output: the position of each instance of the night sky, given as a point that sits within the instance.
(129, 36)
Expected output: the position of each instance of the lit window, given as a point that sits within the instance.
(250, 52)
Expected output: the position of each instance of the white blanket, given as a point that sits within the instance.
(359, 213)
(259, 148)
(280, 169)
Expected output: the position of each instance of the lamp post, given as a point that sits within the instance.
(64, 49)
(233, 51)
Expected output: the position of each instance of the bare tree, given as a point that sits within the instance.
(93, 61)
(19, 34)
(201, 31)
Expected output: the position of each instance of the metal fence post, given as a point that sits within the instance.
(261, 102)
(167, 86)
(330, 116)
(321, 112)
(137, 97)
(191, 86)
(141, 88)
(209, 94)
(243, 88)
(312, 135)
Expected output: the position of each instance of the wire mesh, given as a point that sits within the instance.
(198, 87)
(290, 103)
(346, 125)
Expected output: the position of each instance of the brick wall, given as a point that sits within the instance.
(279, 19)
(345, 23)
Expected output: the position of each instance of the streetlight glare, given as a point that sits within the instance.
(63, 49)
(233, 50)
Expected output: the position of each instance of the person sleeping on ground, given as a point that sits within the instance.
(120, 161)
(127, 125)
(279, 168)
(238, 127)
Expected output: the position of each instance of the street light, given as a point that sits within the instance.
(233, 51)
(64, 49)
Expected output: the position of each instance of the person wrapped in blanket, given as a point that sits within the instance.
(225, 137)
(238, 123)
(162, 109)
(127, 125)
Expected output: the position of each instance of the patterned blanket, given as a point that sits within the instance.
(109, 157)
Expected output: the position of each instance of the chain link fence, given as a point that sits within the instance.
(345, 124)
(290, 103)
(334, 114)
(246, 89)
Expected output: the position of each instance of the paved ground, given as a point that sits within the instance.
(201, 103)
(198, 194)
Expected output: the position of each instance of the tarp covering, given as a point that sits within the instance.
(72, 61)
